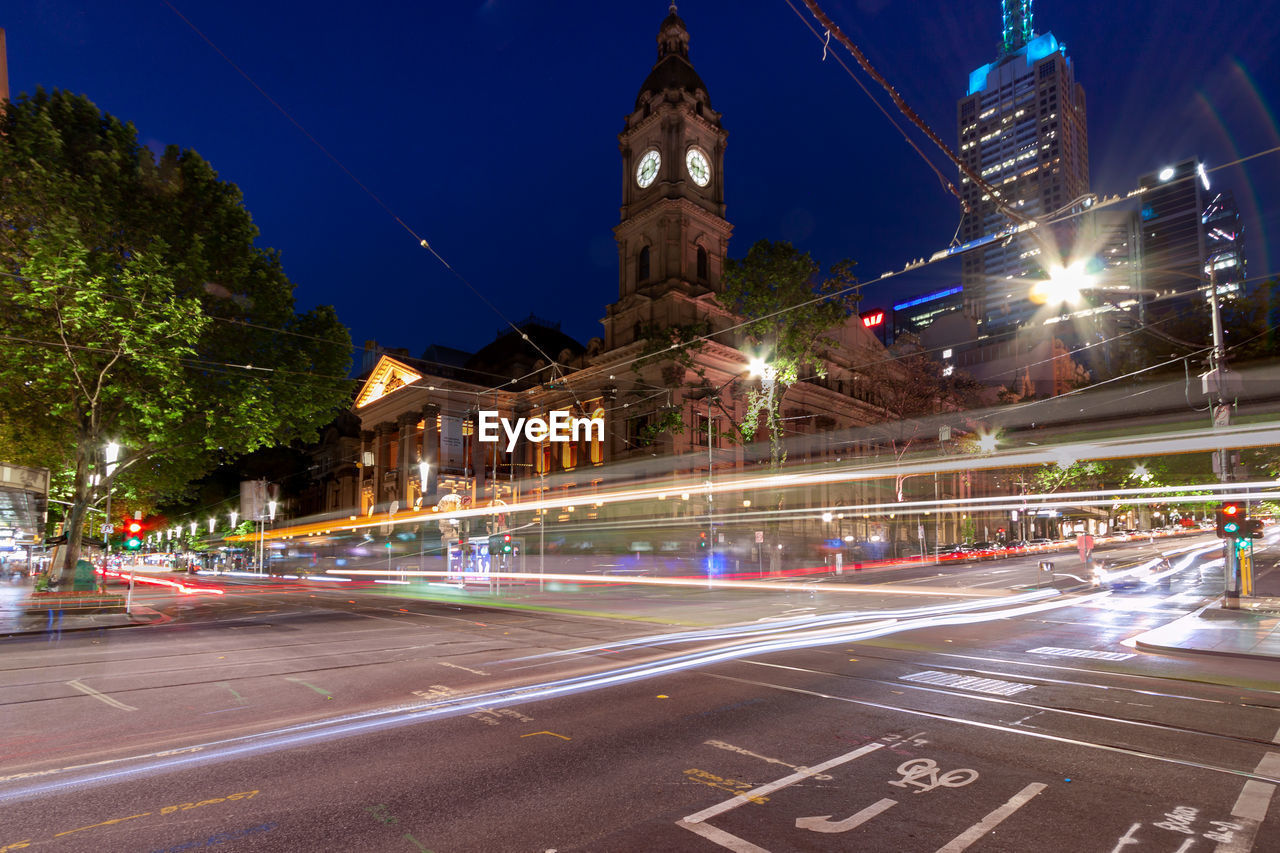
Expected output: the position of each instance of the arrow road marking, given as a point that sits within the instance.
(84, 688)
(825, 824)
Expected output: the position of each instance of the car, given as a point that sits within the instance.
(1039, 542)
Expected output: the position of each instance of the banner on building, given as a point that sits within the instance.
(255, 499)
(451, 451)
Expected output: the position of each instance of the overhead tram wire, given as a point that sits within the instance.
(552, 363)
(947, 184)
(418, 238)
(911, 114)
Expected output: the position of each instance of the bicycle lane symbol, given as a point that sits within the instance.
(921, 773)
(913, 771)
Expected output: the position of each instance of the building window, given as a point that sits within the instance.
(702, 264)
(642, 266)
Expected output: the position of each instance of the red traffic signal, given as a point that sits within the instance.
(1228, 518)
(702, 539)
(133, 527)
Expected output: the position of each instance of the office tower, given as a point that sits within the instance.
(1022, 128)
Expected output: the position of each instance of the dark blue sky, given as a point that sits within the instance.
(491, 129)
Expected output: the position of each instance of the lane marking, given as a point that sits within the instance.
(719, 836)
(1127, 839)
(319, 690)
(719, 744)
(1251, 807)
(463, 668)
(968, 682)
(1276, 738)
(86, 689)
(745, 797)
(553, 734)
(998, 727)
(826, 824)
(991, 821)
(1079, 653)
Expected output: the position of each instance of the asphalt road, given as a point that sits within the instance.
(300, 719)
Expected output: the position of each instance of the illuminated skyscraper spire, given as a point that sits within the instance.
(1016, 15)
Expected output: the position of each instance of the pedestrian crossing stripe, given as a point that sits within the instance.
(1079, 653)
(967, 682)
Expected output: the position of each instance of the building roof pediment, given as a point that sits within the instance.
(388, 376)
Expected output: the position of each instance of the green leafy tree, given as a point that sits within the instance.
(790, 306)
(136, 309)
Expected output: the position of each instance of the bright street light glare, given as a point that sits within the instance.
(1166, 173)
(757, 366)
(1063, 285)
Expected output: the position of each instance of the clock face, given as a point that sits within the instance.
(647, 171)
(699, 167)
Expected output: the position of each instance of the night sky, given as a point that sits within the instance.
(491, 129)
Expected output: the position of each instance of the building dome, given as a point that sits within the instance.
(673, 69)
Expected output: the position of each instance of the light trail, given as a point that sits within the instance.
(1194, 441)
(698, 583)
(382, 719)
(148, 579)
(780, 626)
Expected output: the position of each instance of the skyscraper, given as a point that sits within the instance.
(1186, 230)
(1022, 128)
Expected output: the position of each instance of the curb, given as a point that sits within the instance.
(157, 618)
(1187, 650)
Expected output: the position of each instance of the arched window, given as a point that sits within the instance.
(642, 266)
(702, 264)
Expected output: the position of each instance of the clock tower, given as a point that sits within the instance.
(673, 237)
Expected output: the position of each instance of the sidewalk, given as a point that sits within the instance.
(1212, 630)
(15, 618)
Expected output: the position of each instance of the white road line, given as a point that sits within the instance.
(991, 821)
(719, 744)
(1276, 739)
(114, 703)
(765, 790)
(1251, 807)
(719, 836)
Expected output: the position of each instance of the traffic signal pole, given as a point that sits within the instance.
(1221, 411)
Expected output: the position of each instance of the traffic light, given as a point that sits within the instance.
(1229, 518)
(702, 540)
(507, 545)
(132, 535)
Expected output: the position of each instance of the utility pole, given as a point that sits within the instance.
(1221, 412)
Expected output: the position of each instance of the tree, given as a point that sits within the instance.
(790, 306)
(911, 388)
(136, 309)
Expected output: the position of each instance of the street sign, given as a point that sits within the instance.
(759, 536)
(108, 528)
